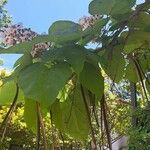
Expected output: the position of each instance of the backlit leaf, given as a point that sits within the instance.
(43, 84)
(8, 92)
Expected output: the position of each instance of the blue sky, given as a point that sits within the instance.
(40, 14)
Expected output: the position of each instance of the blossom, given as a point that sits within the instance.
(88, 21)
(14, 34)
(40, 48)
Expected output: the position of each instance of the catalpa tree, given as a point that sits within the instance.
(59, 75)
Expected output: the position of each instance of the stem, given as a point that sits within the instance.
(102, 134)
(42, 126)
(89, 117)
(9, 113)
(103, 107)
(140, 77)
(63, 141)
(133, 102)
(92, 100)
(54, 136)
(38, 129)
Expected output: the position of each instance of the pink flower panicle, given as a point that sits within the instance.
(88, 21)
(14, 34)
(39, 49)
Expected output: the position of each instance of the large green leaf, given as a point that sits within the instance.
(92, 79)
(115, 63)
(110, 7)
(142, 21)
(21, 63)
(73, 54)
(131, 72)
(30, 115)
(43, 84)
(122, 7)
(25, 46)
(31, 108)
(136, 40)
(65, 31)
(70, 116)
(144, 62)
(101, 6)
(57, 115)
(24, 60)
(8, 92)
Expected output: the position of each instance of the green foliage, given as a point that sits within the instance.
(92, 79)
(30, 115)
(136, 40)
(6, 98)
(53, 79)
(111, 7)
(114, 63)
(131, 72)
(73, 54)
(69, 116)
(65, 31)
(140, 22)
(140, 136)
(47, 81)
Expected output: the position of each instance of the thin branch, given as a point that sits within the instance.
(92, 100)
(62, 138)
(89, 116)
(38, 128)
(134, 104)
(42, 127)
(103, 107)
(102, 133)
(55, 143)
(140, 76)
(9, 113)
(140, 67)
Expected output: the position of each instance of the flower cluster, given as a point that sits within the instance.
(86, 22)
(14, 34)
(40, 48)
